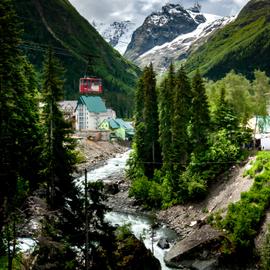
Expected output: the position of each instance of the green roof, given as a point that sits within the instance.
(263, 123)
(93, 103)
(113, 124)
(123, 123)
(119, 123)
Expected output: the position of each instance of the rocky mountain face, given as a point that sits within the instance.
(117, 34)
(165, 36)
(163, 26)
(171, 34)
(183, 45)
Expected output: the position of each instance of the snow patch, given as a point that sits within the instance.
(158, 20)
(186, 40)
(118, 34)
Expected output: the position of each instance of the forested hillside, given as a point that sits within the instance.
(56, 23)
(243, 45)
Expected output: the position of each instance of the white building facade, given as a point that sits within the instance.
(90, 112)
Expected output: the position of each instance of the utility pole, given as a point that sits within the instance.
(52, 195)
(152, 239)
(153, 155)
(86, 221)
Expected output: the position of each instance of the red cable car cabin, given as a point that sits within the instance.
(90, 85)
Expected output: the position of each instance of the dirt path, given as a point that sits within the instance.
(228, 190)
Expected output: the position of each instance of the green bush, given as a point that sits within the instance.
(261, 162)
(197, 187)
(241, 222)
(146, 191)
(243, 218)
(140, 188)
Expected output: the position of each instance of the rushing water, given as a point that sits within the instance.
(113, 166)
(141, 227)
(140, 224)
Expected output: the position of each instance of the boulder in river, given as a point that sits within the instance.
(200, 250)
(163, 243)
(111, 188)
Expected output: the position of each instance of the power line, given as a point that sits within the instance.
(179, 163)
(45, 45)
(43, 50)
(30, 45)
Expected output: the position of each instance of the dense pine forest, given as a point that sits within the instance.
(189, 132)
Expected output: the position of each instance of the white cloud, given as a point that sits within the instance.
(108, 11)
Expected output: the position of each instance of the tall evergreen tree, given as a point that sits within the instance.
(63, 197)
(200, 119)
(147, 154)
(224, 117)
(11, 84)
(139, 144)
(19, 132)
(151, 122)
(58, 145)
(180, 121)
(165, 117)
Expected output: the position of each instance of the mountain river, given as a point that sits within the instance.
(140, 224)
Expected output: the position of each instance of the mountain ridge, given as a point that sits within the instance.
(183, 45)
(174, 43)
(242, 45)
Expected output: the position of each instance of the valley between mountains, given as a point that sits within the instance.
(134, 135)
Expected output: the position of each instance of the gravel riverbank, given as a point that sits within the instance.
(96, 153)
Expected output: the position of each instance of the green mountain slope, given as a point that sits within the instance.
(58, 24)
(243, 45)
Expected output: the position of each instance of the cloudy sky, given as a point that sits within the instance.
(108, 11)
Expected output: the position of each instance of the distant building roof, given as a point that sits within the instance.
(68, 105)
(119, 123)
(263, 123)
(113, 124)
(123, 123)
(93, 104)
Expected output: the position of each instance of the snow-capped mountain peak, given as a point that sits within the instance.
(165, 35)
(117, 34)
(178, 49)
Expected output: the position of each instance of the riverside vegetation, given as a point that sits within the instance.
(187, 135)
(243, 218)
(193, 133)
